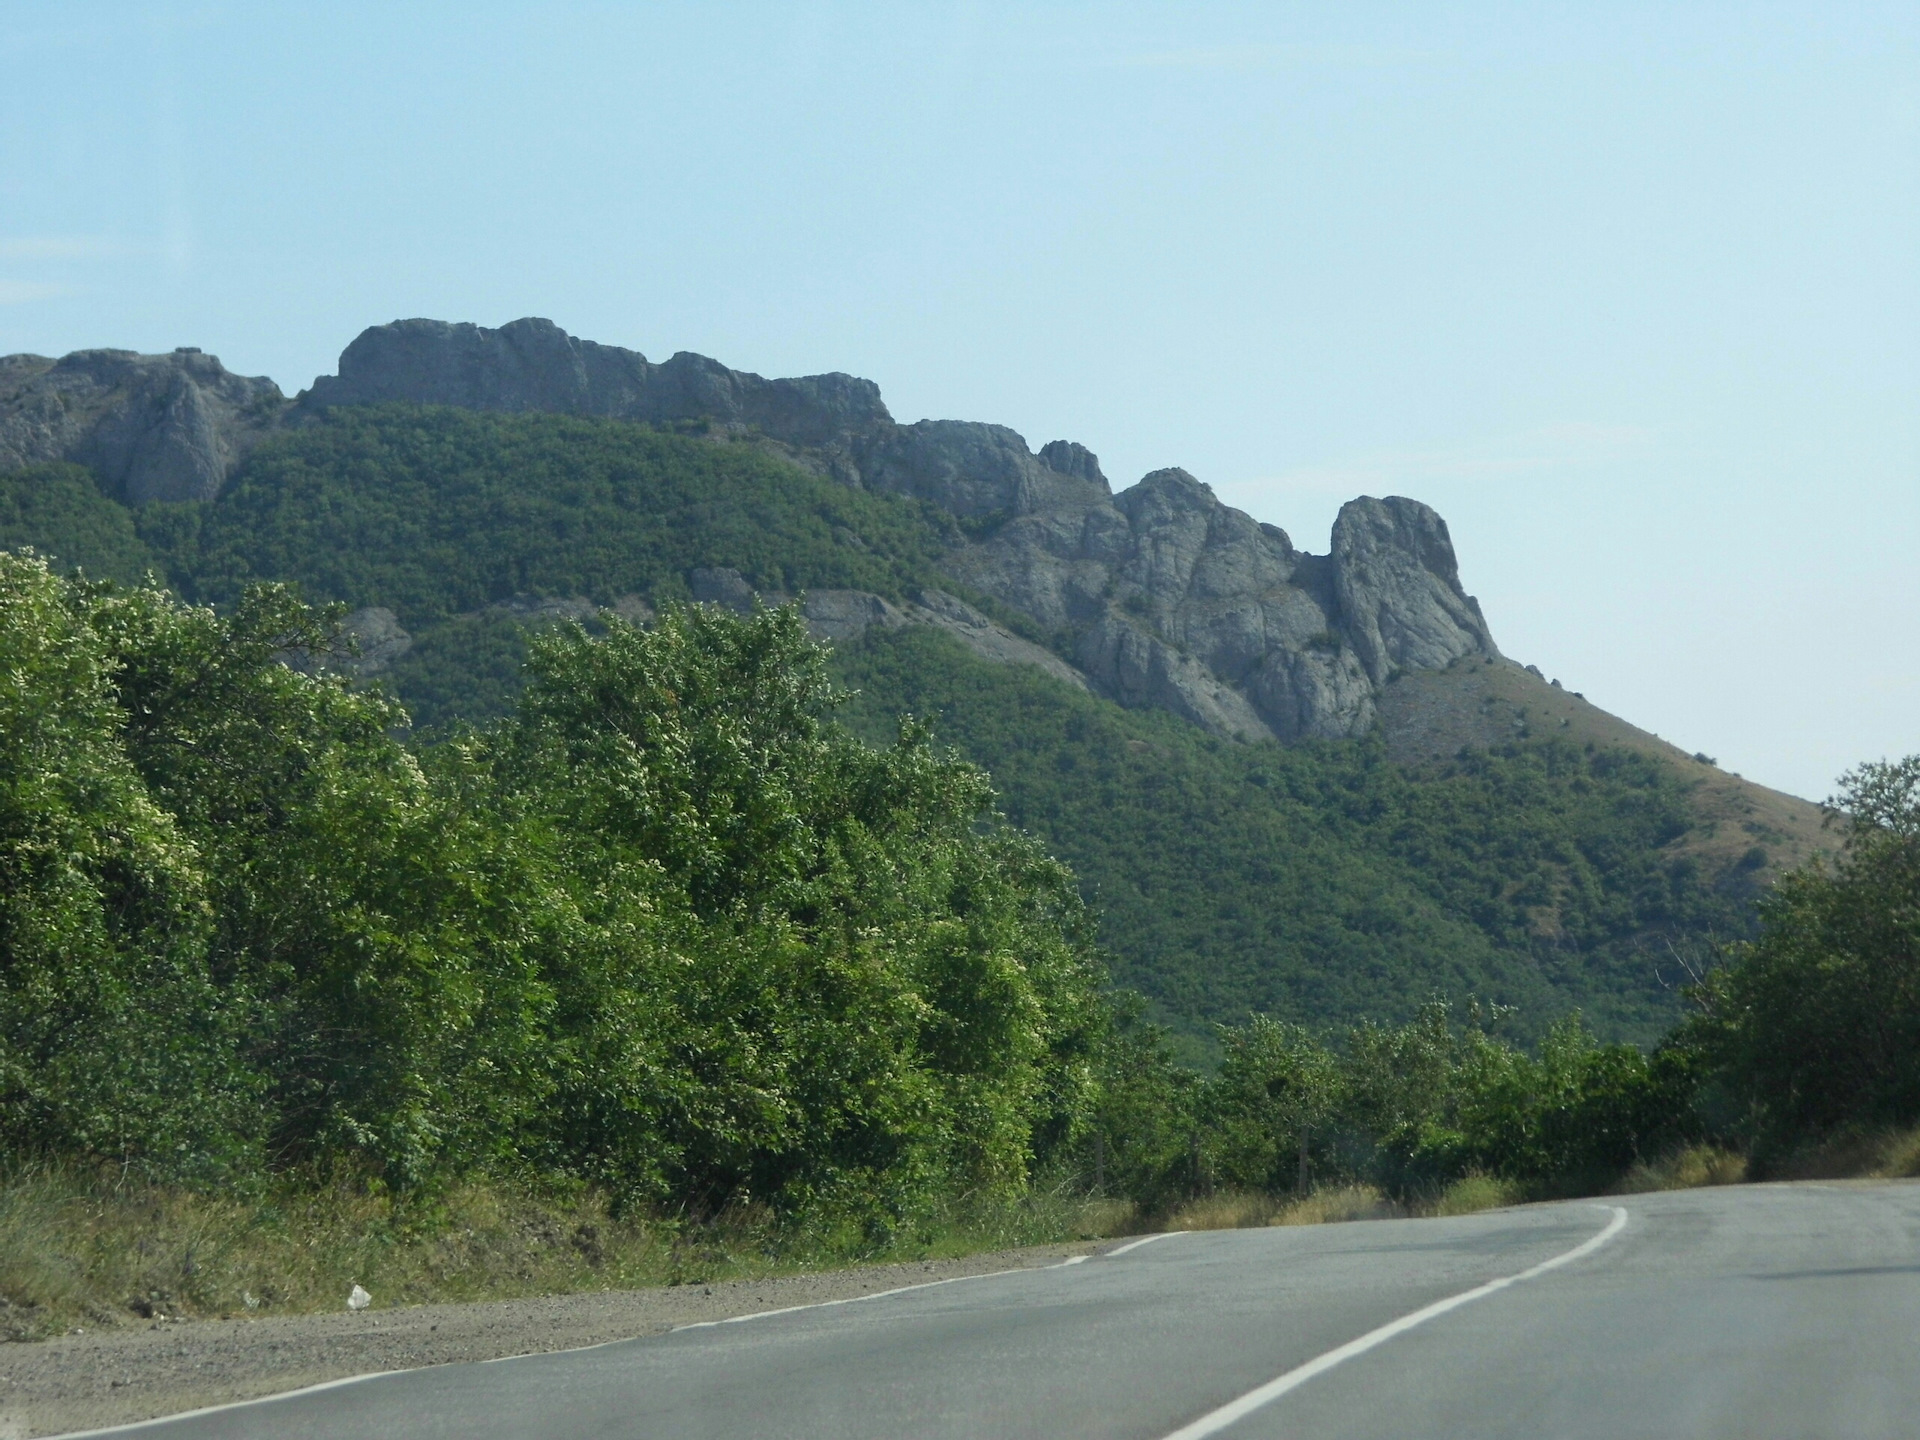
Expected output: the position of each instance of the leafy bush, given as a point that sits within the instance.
(1410, 1110)
(114, 1037)
(1815, 1023)
(668, 928)
(805, 967)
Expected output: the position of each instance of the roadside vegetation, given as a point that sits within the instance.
(1319, 883)
(669, 975)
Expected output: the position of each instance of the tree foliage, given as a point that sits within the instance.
(61, 511)
(667, 927)
(1322, 883)
(1815, 1023)
(436, 512)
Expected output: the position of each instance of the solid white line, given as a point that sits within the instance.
(904, 1289)
(133, 1425)
(1136, 1244)
(1214, 1421)
(137, 1425)
(877, 1294)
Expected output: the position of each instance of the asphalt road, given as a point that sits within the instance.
(1762, 1311)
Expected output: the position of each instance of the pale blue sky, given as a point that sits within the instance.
(1630, 294)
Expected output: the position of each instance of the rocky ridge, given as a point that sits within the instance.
(1158, 596)
(151, 427)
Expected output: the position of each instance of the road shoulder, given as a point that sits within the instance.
(87, 1381)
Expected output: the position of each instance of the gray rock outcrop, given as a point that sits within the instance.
(1157, 596)
(837, 421)
(842, 617)
(378, 637)
(151, 427)
(1174, 600)
(1398, 586)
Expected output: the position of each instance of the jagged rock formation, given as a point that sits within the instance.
(1161, 595)
(837, 422)
(840, 617)
(152, 427)
(1176, 600)
(1157, 596)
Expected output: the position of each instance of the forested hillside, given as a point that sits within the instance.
(681, 933)
(1321, 882)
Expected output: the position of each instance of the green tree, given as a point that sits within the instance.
(1278, 1085)
(807, 968)
(1143, 1139)
(390, 997)
(1815, 1024)
(115, 1042)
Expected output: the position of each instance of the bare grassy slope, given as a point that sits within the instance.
(1744, 834)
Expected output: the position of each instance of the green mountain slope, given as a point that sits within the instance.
(1326, 881)
(61, 512)
(433, 512)
(1323, 882)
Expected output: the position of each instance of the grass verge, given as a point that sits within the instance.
(1878, 1153)
(1242, 1210)
(1333, 1204)
(1688, 1168)
(1471, 1194)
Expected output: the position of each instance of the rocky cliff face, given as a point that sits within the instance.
(835, 422)
(1176, 600)
(1158, 596)
(152, 427)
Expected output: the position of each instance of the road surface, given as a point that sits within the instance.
(1749, 1312)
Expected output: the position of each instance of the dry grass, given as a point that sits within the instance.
(1225, 1210)
(1878, 1154)
(1686, 1169)
(1336, 1205)
(75, 1253)
(1471, 1194)
(1241, 1210)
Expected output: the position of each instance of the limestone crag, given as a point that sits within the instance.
(837, 422)
(841, 617)
(1157, 596)
(1175, 600)
(1398, 588)
(151, 427)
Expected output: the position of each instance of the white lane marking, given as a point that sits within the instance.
(904, 1289)
(574, 1350)
(1214, 1421)
(1136, 1244)
(136, 1425)
(133, 1425)
(875, 1295)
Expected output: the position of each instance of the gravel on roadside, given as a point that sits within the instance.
(115, 1377)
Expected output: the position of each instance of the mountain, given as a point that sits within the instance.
(1161, 596)
(1323, 789)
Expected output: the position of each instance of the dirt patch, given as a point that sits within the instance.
(87, 1381)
